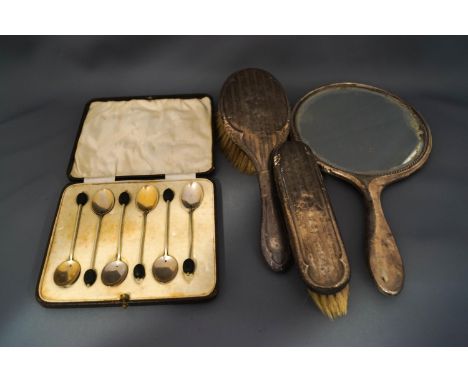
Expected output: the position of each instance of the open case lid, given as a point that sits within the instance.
(144, 137)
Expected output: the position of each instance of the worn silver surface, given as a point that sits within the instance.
(39, 127)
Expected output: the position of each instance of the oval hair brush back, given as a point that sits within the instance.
(253, 119)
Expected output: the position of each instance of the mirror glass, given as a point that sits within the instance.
(359, 130)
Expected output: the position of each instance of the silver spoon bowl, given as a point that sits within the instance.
(165, 268)
(114, 273)
(67, 273)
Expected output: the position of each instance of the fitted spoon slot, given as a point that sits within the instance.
(165, 267)
(191, 198)
(68, 271)
(146, 200)
(115, 272)
(102, 203)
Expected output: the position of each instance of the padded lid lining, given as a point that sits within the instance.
(145, 137)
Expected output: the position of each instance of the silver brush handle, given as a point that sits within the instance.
(275, 246)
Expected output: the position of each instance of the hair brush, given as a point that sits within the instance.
(253, 119)
(315, 240)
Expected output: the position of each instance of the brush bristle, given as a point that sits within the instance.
(332, 305)
(233, 152)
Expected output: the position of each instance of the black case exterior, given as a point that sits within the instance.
(124, 302)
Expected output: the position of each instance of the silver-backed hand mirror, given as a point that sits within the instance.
(371, 138)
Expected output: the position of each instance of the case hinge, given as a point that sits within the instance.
(109, 179)
(180, 176)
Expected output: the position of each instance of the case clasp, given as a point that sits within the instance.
(124, 299)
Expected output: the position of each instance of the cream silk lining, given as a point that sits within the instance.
(145, 137)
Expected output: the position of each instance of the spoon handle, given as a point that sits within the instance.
(385, 261)
(166, 237)
(96, 239)
(191, 233)
(142, 239)
(119, 243)
(75, 232)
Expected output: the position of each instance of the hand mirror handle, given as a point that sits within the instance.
(385, 262)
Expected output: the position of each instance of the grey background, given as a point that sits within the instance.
(44, 84)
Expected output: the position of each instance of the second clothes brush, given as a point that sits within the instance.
(313, 233)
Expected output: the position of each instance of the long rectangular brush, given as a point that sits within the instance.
(313, 233)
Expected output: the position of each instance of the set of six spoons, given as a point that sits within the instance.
(165, 267)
